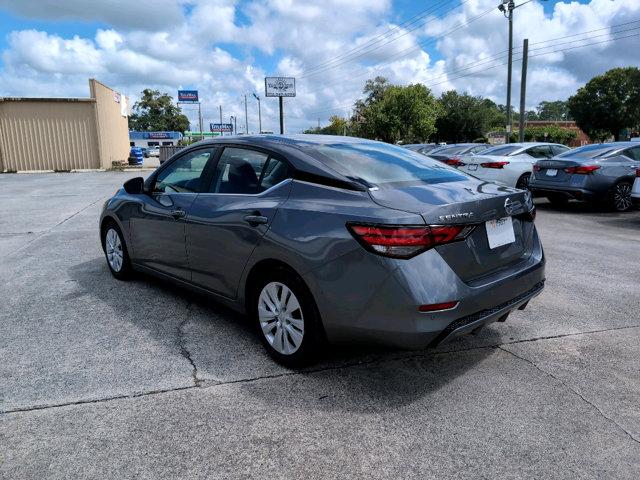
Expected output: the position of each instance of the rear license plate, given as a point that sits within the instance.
(500, 232)
(473, 167)
(552, 172)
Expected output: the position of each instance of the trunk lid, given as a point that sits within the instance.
(552, 170)
(469, 202)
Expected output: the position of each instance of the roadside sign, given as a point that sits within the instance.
(188, 96)
(221, 127)
(279, 87)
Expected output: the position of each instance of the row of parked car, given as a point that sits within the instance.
(606, 172)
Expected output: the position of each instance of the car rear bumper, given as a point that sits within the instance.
(576, 193)
(365, 304)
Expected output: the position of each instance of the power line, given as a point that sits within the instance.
(490, 67)
(380, 37)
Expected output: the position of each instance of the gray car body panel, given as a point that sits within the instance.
(359, 294)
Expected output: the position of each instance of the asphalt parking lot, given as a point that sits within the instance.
(106, 379)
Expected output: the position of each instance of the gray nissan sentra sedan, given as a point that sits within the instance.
(324, 237)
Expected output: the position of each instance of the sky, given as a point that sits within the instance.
(225, 48)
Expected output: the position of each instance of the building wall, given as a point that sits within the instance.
(48, 134)
(63, 133)
(113, 141)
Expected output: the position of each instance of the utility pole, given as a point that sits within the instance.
(523, 85)
(259, 113)
(232, 121)
(508, 13)
(246, 116)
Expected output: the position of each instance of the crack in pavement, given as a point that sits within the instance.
(201, 383)
(184, 351)
(572, 390)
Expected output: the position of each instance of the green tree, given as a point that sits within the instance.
(395, 113)
(608, 103)
(338, 126)
(556, 110)
(464, 118)
(157, 112)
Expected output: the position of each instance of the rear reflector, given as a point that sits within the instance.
(434, 307)
(494, 164)
(583, 170)
(406, 241)
(638, 172)
(455, 162)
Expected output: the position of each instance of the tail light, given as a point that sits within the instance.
(494, 164)
(537, 168)
(582, 170)
(455, 162)
(637, 172)
(406, 241)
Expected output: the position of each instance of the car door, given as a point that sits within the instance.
(226, 223)
(158, 228)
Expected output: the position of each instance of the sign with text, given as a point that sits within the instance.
(279, 87)
(188, 96)
(221, 127)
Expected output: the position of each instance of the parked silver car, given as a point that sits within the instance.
(330, 237)
(596, 173)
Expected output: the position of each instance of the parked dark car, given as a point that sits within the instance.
(594, 173)
(451, 154)
(423, 148)
(330, 237)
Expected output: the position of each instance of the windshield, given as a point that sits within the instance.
(590, 151)
(376, 163)
(502, 150)
(453, 150)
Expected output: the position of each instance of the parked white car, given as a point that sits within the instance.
(635, 191)
(510, 164)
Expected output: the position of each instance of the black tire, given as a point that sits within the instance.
(523, 181)
(125, 271)
(619, 196)
(312, 337)
(558, 200)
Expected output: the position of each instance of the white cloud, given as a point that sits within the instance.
(225, 48)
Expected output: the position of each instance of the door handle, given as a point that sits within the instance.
(178, 214)
(255, 220)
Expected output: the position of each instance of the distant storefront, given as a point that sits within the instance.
(153, 139)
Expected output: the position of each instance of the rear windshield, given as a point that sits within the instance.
(501, 151)
(590, 151)
(374, 163)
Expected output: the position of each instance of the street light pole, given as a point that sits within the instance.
(259, 114)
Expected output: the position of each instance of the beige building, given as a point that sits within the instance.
(64, 134)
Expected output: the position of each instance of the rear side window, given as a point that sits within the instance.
(590, 151)
(541, 151)
(373, 163)
(244, 171)
(558, 149)
(633, 153)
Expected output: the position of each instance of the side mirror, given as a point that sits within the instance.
(134, 186)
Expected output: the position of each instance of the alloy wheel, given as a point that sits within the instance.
(622, 197)
(113, 247)
(523, 182)
(281, 318)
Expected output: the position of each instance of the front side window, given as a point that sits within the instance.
(239, 171)
(184, 174)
